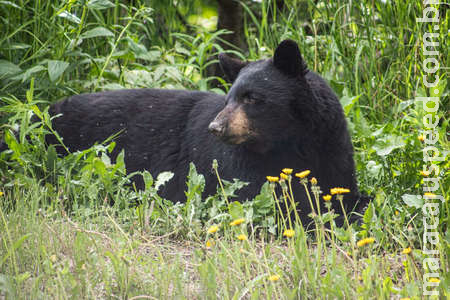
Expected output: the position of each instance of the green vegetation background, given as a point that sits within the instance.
(71, 227)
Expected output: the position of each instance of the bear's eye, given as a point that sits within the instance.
(250, 99)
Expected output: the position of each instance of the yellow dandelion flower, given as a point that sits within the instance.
(284, 176)
(326, 197)
(421, 138)
(213, 229)
(430, 195)
(433, 279)
(397, 213)
(242, 237)
(287, 171)
(209, 244)
(274, 277)
(1, 194)
(303, 174)
(406, 250)
(313, 181)
(272, 178)
(424, 173)
(338, 191)
(237, 222)
(289, 233)
(365, 241)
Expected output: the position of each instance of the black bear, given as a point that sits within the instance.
(277, 114)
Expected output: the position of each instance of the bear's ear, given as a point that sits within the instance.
(287, 59)
(231, 66)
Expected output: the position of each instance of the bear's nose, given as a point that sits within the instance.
(215, 127)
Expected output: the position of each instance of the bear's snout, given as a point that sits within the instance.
(231, 125)
(216, 128)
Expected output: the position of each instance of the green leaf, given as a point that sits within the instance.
(328, 217)
(368, 214)
(9, 3)
(8, 68)
(386, 145)
(180, 49)
(12, 143)
(50, 163)
(231, 187)
(348, 102)
(100, 4)
(162, 178)
(413, 200)
(195, 183)
(16, 46)
(71, 17)
(263, 202)
(56, 68)
(380, 197)
(100, 167)
(236, 210)
(96, 32)
(387, 285)
(373, 168)
(148, 180)
(139, 51)
(106, 160)
(342, 234)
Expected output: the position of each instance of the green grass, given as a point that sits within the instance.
(72, 228)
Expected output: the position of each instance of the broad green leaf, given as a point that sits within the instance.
(97, 31)
(100, 4)
(342, 234)
(263, 202)
(196, 182)
(100, 167)
(348, 102)
(8, 68)
(386, 145)
(56, 68)
(368, 214)
(413, 200)
(328, 217)
(71, 17)
(148, 180)
(229, 188)
(139, 51)
(236, 210)
(373, 168)
(12, 143)
(378, 131)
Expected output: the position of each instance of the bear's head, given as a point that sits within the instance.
(259, 107)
